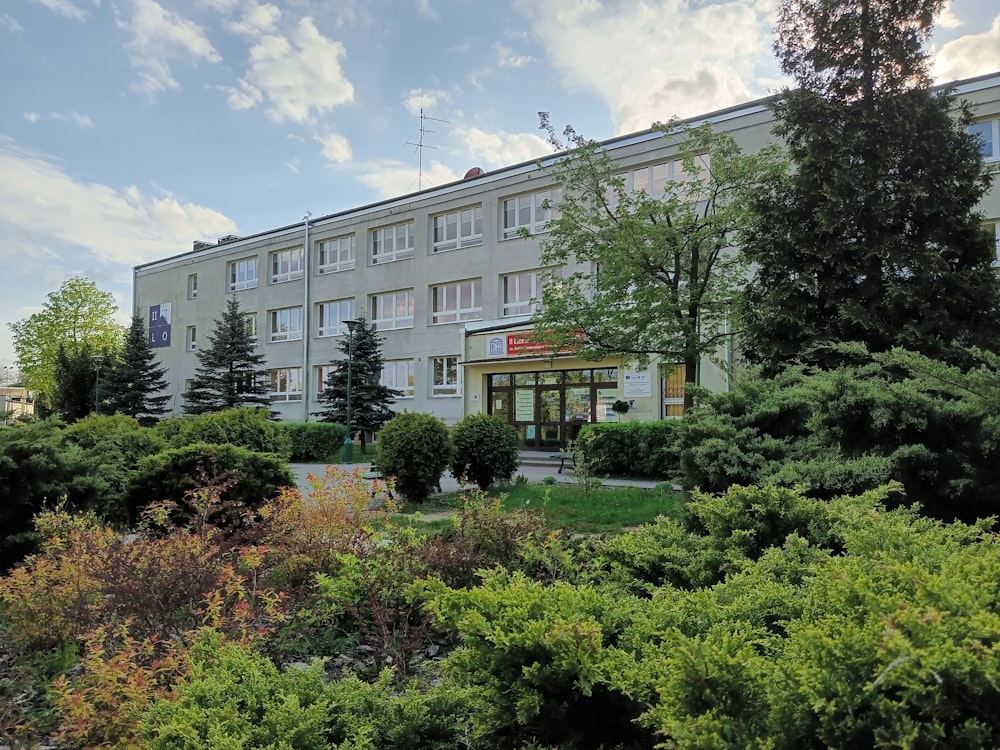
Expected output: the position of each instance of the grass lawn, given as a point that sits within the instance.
(568, 506)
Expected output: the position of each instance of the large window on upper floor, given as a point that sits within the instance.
(392, 309)
(392, 243)
(286, 384)
(332, 316)
(457, 300)
(522, 292)
(286, 265)
(655, 179)
(531, 212)
(337, 254)
(398, 375)
(457, 229)
(988, 132)
(243, 274)
(286, 324)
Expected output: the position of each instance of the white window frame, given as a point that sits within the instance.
(286, 384)
(384, 251)
(243, 274)
(399, 374)
(285, 324)
(994, 226)
(455, 229)
(338, 254)
(527, 212)
(993, 126)
(287, 265)
(250, 324)
(457, 301)
(520, 304)
(445, 377)
(322, 373)
(191, 338)
(393, 310)
(192, 288)
(333, 325)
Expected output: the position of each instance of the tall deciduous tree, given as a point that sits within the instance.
(657, 274)
(77, 316)
(370, 400)
(874, 237)
(230, 373)
(134, 380)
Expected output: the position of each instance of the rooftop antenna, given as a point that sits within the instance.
(419, 146)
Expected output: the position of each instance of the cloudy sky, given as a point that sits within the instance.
(129, 128)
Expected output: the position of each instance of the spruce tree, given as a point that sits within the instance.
(230, 373)
(75, 381)
(370, 400)
(874, 236)
(134, 379)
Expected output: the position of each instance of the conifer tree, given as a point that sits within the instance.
(874, 237)
(75, 382)
(370, 400)
(134, 379)
(230, 373)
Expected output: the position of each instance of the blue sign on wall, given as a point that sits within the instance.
(159, 325)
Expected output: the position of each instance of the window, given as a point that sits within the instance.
(457, 229)
(398, 375)
(444, 377)
(529, 212)
(392, 310)
(993, 228)
(193, 286)
(460, 300)
(250, 323)
(286, 324)
(332, 316)
(323, 373)
(989, 138)
(337, 254)
(392, 243)
(286, 265)
(243, 274)
(522, 292)
(191, 338)
(286, 384)
(655, 179)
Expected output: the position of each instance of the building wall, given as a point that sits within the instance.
(166, 282)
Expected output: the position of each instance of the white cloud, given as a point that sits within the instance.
(257, 19)
(298, 74)
(970, 55)
(501, 149)
(32, 117)
(391, 178)
(158, 38)
(946, 18)
(39, 200)
(507, 59)
(424, 8)
(655, 59)
(335, 148)
(425, 99)
(83, 121)
(242, 96)
(66, 8)
(10, 23)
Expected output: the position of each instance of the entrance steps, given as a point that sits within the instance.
(542, 459)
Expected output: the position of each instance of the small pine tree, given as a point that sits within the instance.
(229, 374)
(75, 382)
(370, 399)
(134, 378)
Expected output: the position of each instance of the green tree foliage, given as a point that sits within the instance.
(370, 400)
(415, 449)
(654, 275)
(874, 236)
(78, 315)
(74, 394)
(487, 450)
(229, 373)
(247, 428)
(134, 379)
(314, 442)
(631, 449)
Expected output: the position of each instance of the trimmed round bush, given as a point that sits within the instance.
(247, 428)
(414, 448)
(487, 450)
(242, 480)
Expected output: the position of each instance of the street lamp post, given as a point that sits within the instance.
(349, 440)
(98, 361)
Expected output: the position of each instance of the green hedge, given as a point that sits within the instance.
(247, 428)
(315, 442)
(632, 449)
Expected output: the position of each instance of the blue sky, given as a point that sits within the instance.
(130, 128)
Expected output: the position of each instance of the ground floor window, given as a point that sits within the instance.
(286, 384)
(548, 407)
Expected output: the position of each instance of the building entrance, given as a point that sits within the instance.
(548, 407)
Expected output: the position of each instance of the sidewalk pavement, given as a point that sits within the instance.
(534, 474)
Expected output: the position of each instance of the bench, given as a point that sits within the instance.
(372, 475)
(565, 459)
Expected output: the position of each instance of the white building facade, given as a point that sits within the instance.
(449, 281)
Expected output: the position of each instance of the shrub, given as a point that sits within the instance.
(247, 428)
(314, 442)
(487, 450)
(415, 449)
(236, 479)
(632, 449)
